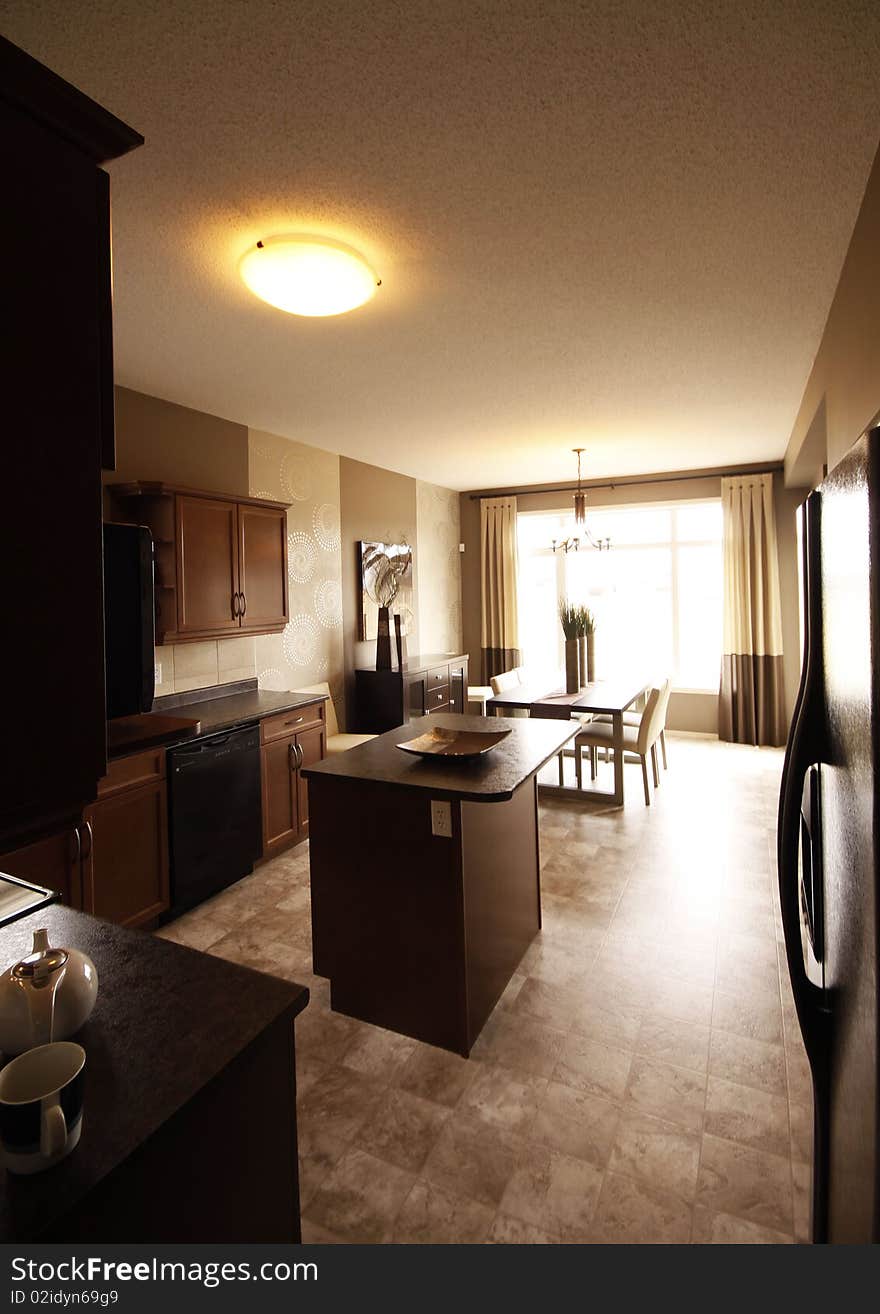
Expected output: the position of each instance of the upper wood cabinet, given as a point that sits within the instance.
(262, 567)
(221, 562)
(58, 418)
(207, 566)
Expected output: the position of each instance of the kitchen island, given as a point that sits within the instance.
(189, 1125)
(425, 875)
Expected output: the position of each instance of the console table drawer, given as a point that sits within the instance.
(438, 675)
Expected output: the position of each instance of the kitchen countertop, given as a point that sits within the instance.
(491, 778)
(167, 1021)
(211, 716)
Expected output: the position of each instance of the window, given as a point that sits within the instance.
(656, 595)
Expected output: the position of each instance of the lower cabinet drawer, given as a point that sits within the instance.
(290, 723)
(137, 769)
(437, 698)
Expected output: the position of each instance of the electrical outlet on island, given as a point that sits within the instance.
(441, 818)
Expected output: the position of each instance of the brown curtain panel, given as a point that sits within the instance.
(499, 635)
(751, 707)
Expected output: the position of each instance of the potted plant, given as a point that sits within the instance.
(569, 616)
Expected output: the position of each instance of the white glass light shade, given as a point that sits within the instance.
(308, 275)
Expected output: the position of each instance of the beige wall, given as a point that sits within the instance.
(157, 439)
(309, 650)
(842, 395)
(438, 580)
(691, 712)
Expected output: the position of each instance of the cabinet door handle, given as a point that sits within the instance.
(243, 603)
(299, 756)
(87, 853)
(235, 611)
(77, 852)
(291, 756)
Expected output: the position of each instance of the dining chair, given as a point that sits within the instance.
(633, 718)
(479, 694)
(506, 680)
(639, 739)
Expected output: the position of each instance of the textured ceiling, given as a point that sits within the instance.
(612, 224)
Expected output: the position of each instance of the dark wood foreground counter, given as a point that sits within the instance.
(189, 1131)
(421, 932)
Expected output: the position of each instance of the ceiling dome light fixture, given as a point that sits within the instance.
(307, 275)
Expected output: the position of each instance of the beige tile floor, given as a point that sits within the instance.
(642, 1079)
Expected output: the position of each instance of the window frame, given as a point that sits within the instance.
(673, 544)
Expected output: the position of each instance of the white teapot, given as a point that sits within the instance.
(46, 996)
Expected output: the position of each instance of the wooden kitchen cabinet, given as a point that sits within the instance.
(312, 746)
(55, 861)
(288, 743)
(221, 562)
(125, 854)
(58, 415)
(206, 566)
(262, 567)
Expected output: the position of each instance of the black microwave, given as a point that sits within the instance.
(129, 619)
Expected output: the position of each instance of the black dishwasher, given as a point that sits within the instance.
(215, 819)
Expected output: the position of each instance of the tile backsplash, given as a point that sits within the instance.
(197, 665)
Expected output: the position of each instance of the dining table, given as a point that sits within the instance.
(610, 697)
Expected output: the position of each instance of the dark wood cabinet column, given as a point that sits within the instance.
(58, 422)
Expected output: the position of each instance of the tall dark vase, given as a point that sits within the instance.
(591, 657)
(399, 640)
(383, 642)
(572, 666)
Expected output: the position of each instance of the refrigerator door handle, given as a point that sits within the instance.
(800, 779)
(806, 749)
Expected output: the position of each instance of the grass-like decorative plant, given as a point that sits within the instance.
(586, 621)
(569, 615)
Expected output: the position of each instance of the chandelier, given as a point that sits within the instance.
(572, 544)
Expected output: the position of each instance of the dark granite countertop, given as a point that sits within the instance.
(491, 778)
(213, 714)
(167, 1020)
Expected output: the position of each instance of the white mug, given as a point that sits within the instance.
(41, 1105)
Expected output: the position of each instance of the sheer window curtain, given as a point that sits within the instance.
(499, 636)
(751, 705)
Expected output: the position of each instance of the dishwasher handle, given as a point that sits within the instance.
(244, 738)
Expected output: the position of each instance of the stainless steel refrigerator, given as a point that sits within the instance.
(828, 840)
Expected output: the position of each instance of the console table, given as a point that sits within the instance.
(432, 682)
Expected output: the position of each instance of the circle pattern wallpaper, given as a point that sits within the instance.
(300, 640)
(296, 477)
(302, 556)
(325, 519)
(328, 603)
